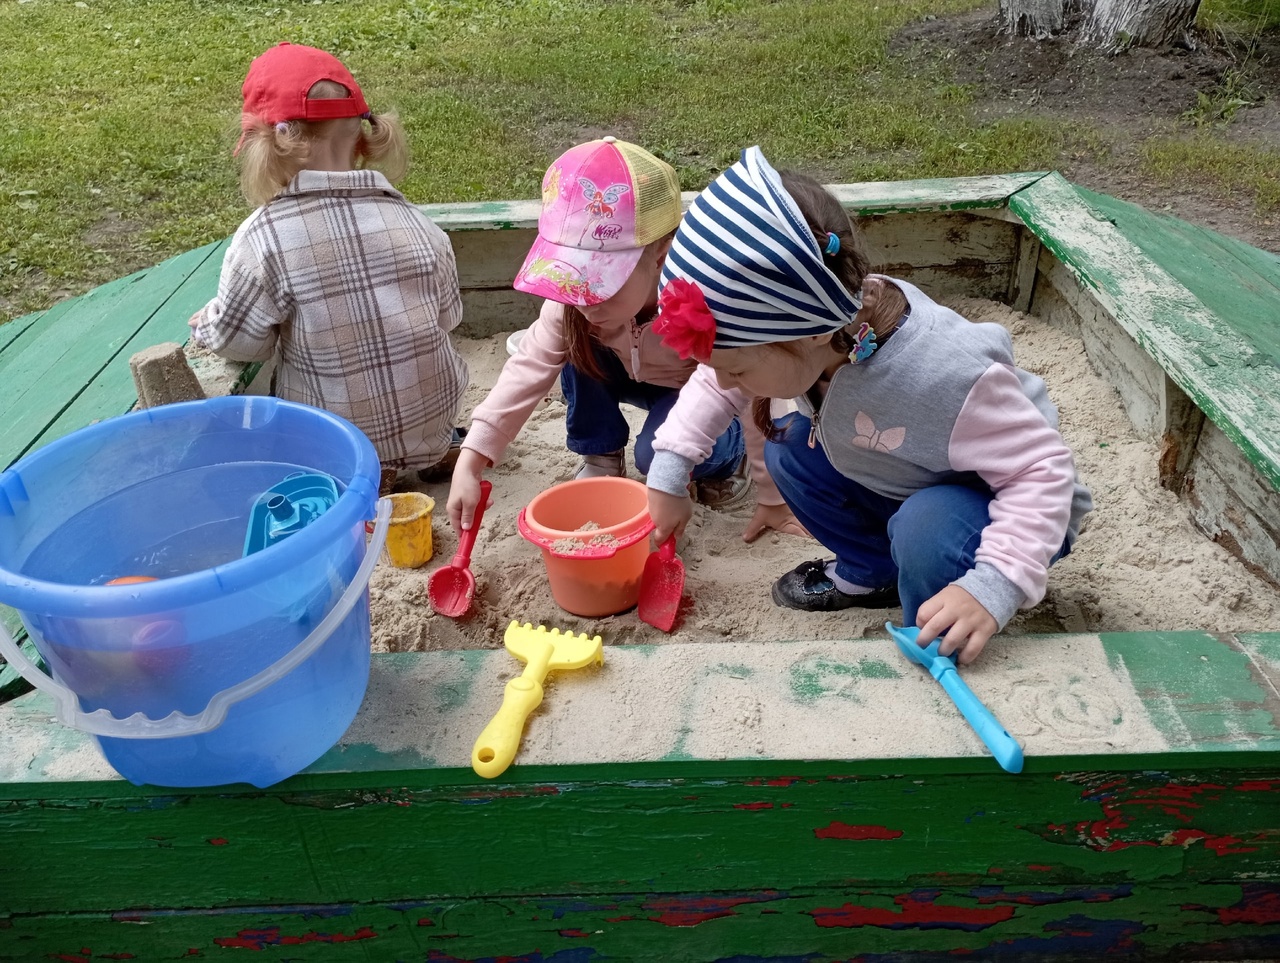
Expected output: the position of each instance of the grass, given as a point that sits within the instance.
(1231, 169)
(118, 115)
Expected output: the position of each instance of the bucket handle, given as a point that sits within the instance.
(100, 722)
(587, 551)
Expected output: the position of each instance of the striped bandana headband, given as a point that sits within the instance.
(745, 268)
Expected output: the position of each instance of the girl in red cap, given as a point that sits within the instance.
(346, 284)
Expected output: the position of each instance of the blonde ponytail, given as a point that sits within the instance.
(270, 154)
(385, 146)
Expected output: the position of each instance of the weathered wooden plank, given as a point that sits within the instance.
(1234, 280)
(1231, 504)
(969, 280)
(934, 924)
(941, 240)
(486, 312)
(956, 254)
(1062, 300)
(1022, 279)
(638, 855)
(490, 259)
(933, 194)
(1202, 690)
(52, 369)
(111, 390)
(12, 331)
(870, 197)
(484, 215)
(1231, 381)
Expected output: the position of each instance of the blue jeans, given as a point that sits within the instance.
(925, 542)
(595, 424)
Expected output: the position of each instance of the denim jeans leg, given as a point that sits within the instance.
(935, 538)
(725, 455)
(594, 424)
(935, 535)
(848, 519)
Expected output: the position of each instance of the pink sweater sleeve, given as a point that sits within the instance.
(523, 382)
(1002, 436)
(701, 414)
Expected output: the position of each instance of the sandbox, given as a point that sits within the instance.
(759, 784)
(1140, 564)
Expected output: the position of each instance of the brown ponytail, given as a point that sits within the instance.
(851, 264)
(580, 339)
(580, 343)
(826, 215)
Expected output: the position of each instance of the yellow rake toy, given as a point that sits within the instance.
(541, 651)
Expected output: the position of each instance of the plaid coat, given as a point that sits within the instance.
(354, 291)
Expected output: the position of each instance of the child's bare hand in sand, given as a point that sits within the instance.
(670, 514)
(966, 623)
(776, 517)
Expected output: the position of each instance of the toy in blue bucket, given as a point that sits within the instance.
(198, 670)
(287, 507)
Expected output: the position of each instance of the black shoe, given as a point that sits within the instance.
(808, 588)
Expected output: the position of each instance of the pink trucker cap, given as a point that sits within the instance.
(602, 202)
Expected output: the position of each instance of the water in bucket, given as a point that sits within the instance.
(166, 494)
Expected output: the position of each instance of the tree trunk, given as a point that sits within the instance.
(1118, 24)
(1037, 19)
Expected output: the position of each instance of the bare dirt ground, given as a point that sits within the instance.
(1131, 97)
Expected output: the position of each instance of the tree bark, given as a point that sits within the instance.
(1119, 24)
(1037, 19)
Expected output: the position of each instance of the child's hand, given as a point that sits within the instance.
(464, 489)
(670, 514)
(777, 517)
(966, 623)
(193, 323)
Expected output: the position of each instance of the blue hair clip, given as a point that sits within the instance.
(833, 245)
(864, 344)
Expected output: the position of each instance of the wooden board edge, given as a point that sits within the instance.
(1148, 303)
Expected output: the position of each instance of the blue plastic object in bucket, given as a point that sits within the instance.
(287, 507)
(228, 668)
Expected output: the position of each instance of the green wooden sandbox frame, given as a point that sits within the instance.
(388, 855)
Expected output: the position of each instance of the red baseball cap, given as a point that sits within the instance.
(278, 81)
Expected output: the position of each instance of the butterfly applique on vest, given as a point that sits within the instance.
(868, 437)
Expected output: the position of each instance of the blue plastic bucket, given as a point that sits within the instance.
(227, 668)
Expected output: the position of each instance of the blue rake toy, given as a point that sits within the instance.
(943, 668)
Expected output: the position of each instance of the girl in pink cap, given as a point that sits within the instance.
(338, 277)
(609, 212)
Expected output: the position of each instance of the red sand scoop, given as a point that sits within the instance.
(451, 587)
(661, 586)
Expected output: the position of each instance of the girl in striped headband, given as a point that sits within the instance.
(920, 456)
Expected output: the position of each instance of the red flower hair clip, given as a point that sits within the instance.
(684, 321)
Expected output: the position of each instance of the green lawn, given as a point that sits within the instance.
(119, 115)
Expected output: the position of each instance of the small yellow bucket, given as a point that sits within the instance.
(409, 535)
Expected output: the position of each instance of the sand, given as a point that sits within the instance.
(1139, 565)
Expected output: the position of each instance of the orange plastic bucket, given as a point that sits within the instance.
(594, 536)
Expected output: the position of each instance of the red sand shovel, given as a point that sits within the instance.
(451, 587)
(661, 586)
